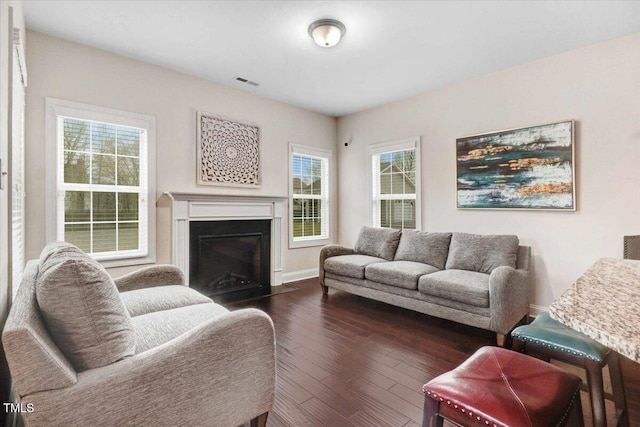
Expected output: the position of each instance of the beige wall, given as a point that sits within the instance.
(73, 72)
(598, 86)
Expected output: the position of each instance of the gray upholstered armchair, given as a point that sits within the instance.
(144, 349)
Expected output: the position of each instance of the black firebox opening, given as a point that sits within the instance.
(230, 260)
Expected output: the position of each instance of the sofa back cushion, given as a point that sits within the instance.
(378, 242)
(482, 253)
(82, 308)
(427, 248)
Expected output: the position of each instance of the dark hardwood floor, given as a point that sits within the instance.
(350, 361)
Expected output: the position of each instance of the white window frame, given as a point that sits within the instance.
(56, 108)
(412, 143)
(322, 153)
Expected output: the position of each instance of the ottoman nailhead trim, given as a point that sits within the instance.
(457, 406)
(555, 347)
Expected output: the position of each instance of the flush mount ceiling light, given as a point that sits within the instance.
(327, 32)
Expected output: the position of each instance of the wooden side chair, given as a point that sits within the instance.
(551, 339)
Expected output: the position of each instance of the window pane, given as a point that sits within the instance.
(128, 141)
(397, 160)
(103, 169)
(316, 186)
(410, 183)
(104, 237)
(409, 214)
(128, 236)
(103, 138)
(76, 135)
(104, 206)
(410, 161)
(79, 235)
(385, 162)
(77, 206)
(316, 168)
(397, 183)
(384, 213)
(395, 211)
(128, 171)
(297, 208)
(76, 168)
(306, 185)
(127, 206)
(297, 165)
(385, 183)
(297, 227)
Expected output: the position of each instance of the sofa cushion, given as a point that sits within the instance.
(149, 300)
(427, 248)
(468, 287)
(154, 329)
(378, 242)
(404, 274)
(349, 265)
(82, 308)
(482, 253)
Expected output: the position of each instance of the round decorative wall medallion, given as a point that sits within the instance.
(229, 152)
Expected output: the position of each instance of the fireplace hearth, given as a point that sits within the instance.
(230, 260)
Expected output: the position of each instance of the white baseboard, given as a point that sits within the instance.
(294, 276)
(534, 310)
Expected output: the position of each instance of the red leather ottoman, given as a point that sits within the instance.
(498, 387)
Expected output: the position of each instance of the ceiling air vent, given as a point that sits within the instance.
(243, 80)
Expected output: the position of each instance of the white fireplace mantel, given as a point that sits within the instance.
(187, 207)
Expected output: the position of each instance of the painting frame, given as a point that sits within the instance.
(229, 152)
(529, 168)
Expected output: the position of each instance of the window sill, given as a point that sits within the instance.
(296, 244)
(127, 262)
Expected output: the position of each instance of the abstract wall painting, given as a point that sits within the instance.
(228, 152)
(527, 168)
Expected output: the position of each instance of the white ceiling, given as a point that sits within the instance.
(392, 49)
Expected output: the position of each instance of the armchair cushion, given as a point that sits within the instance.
(378, 242)
(82, 308)
(149, 300)
(154, 329)
(482, 253)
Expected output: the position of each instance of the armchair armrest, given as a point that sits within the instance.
(327, 252)
(219, 373)
(508, 297)
(155, 275)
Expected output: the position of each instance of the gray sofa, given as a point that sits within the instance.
(140, 350)
(477, 280)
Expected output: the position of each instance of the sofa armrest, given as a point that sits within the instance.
(508, 298)
(146, 277)
(221, 372)
(327, 252)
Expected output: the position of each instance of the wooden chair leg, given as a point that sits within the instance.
(596, 391)
(430, 417)
(619, 396)
(518, 345)
(500, 340)
(260, 420)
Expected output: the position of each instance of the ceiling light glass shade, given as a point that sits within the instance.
(327, 32)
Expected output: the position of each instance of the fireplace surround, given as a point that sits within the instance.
(189, 208)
